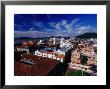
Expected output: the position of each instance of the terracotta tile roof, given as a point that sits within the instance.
(60, 56)
(21, 69)
(21, 46)
(41, 66)
(28, 56)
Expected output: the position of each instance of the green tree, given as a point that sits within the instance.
(83, 59)
(68, 55)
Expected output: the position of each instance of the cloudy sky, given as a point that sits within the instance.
(45, 25)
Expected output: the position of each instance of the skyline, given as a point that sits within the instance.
(46, 25)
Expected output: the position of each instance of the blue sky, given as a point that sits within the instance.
(45, 25)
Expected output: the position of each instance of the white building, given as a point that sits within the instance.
(52, 55)
(65, 43)
(62, 44)
(53, 39)
(22, 49)
(60, 52)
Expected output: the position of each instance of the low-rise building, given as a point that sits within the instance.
(22, 48)
(52, 55)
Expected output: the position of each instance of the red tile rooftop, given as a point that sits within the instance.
(21, 46)
(41, 66)
(21, 69)
(60, 56)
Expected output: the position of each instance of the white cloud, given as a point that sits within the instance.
(58, 26)
(37, 24)
(64, 25)
(61, 28)
(31, 29)
(32, 34)
(74, 21)
(65, 28)
(84, 29)
(64, 22)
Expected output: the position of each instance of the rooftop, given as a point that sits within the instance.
(60, 56)
(41, 66)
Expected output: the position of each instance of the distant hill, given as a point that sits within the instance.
(87, 35)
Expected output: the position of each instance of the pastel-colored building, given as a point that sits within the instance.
(91, 61)
(75, 57)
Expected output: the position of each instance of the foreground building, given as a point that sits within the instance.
(31, 65)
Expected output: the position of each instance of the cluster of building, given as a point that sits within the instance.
(54, 48)
(39, 57)
(62, 42)
(83, 55)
